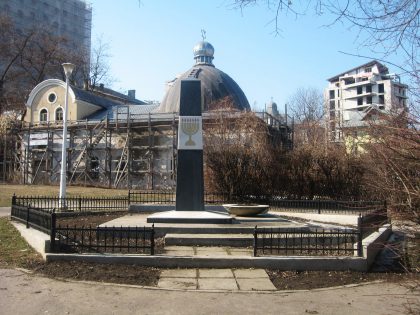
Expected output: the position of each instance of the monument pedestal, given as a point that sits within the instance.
(196, 217)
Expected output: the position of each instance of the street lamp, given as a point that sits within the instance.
(68, 69)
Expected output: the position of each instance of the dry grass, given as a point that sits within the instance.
(7, 191)
(14, 251)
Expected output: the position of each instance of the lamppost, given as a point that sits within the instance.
(68, 69)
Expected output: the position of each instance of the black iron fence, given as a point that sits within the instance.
(314, 241)
(307, 242)
(137, 240)
(326, 206)
(83, 239)
(73, 204)
(92, 204)
(33, 217)
(169, 197)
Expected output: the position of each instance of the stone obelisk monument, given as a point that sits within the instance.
(190, 181)
(189, 207)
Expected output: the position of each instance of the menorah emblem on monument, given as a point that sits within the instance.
(190, 127)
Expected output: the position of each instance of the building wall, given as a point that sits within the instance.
(349, 95)
(71, 19)
(53, 97)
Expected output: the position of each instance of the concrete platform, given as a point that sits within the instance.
(190, 217)
(216, 279)
(240, 225)
(233, 240)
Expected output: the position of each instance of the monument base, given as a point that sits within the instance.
(196, 217)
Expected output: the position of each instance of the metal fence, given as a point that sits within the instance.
(307, 242)
(74, 204)
(65, 239)
(276, 203)
(313, 241)
(32, 217)
(327, 206)
(83, 239)
(169, 197)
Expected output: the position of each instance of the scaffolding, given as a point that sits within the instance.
(130, 151)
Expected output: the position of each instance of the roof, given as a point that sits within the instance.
(119, 111)
(93, 98)
(368, 64)
(215, 85)
(106, 92)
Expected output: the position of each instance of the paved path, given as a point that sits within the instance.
(4, 211)
(25, 294)
(216, 279)
(341, 219)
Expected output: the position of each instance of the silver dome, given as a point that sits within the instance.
(203, 53)
(203, 49)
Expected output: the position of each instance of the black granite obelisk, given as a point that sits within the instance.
(190, 179)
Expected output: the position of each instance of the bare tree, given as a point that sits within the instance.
(238, 152)
(394, 158)
(96, 70)
(306, 105)
(27, 57)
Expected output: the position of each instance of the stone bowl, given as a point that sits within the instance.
(246, 210)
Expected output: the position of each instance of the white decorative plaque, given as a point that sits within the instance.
(190, 133)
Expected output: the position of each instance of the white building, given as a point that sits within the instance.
(71, 19)
(356, 94)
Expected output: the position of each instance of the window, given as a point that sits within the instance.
(381, 88)
(338, 104)
(43, 115)
(368, 69)
(369, 100)
(369, 88)
(359, 90)
(381, 99)
(360, 101)
(332, 105)
(338, 93)
(59, 114)
(52, 97)
(332, 95)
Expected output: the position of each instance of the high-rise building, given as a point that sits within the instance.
(354, 96)
(71, 19)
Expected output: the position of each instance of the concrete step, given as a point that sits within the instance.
(232, 240)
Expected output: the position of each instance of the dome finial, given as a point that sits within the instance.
(203, 51)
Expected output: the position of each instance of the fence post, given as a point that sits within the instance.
(152, 240)
(27, 216)
(255, 241)
(14, 199)
(319, 206)
(52, 231)
(129, 197)
(359, 235)
(80, 203)
(386, 212)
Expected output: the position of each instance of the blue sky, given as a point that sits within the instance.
(151, 42)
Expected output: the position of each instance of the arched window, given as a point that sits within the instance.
(59, 114)
(43, 115)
